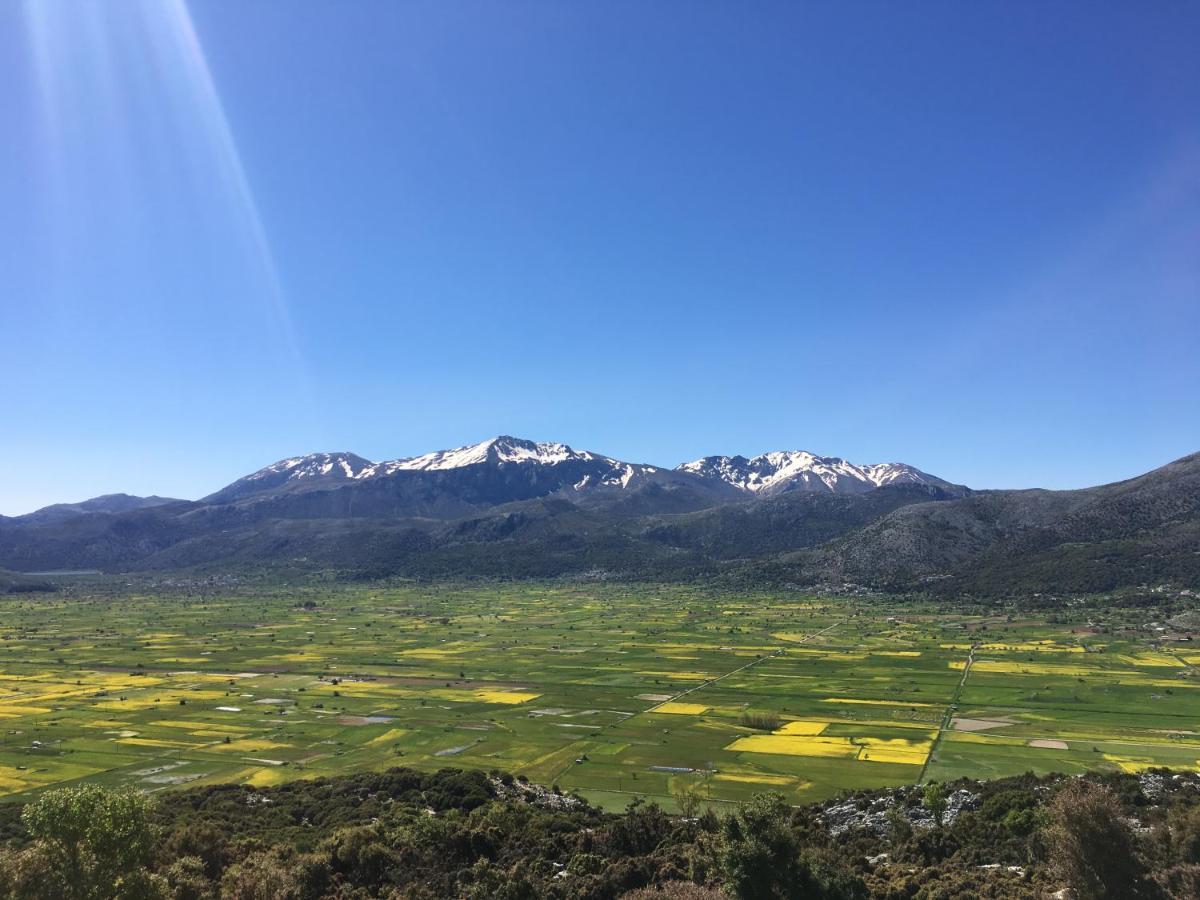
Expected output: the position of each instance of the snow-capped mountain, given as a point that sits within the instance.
(316, 471)
(507, 452)
(315, 465)
(799, 470)
(500, 470)
(505, 469)
(499, 450)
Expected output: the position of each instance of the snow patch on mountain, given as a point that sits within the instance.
(314, 465)
(785, 470)
(502, 449)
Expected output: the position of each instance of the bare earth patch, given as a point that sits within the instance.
(977, 724)
(1049, 744)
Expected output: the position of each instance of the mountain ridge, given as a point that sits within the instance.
(786, 470)
(509, 508)
(768, 473)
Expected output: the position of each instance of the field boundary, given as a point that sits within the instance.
(753, 662)
(948, 715)
(709, 683)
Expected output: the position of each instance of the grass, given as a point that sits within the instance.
(612, 691)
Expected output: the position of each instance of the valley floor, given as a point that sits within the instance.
(609, 691)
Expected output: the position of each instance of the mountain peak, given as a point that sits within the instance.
(314, 465)
(501, 449)
(781, 471)
(296, 473)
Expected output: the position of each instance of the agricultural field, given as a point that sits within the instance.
(605, 690)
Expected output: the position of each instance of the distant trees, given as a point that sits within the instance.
(761, 721)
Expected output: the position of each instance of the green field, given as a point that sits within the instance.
(609, 691)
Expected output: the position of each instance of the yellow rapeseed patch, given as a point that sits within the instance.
(894, 750)
(681, 709)
(680, 676)
(1132, 764)
(392, 734)
(1164, 660)
(790, 636)
(12, 710)
(1024, 667)
(510, 698)
(749, 778)
(249, 745)
(267, 776)
(795, 745)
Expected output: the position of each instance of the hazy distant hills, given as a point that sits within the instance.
(108, 503)
(514, 508)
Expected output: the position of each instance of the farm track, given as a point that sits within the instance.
(948, 716)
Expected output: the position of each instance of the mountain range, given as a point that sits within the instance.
(509, 507)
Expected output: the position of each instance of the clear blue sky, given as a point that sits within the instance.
(961, 235)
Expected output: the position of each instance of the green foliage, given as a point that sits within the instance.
(187, 880)
(260, 876)
(410, 836)
(934, 799)
(97, 841)
(759, 852)
(761, 858)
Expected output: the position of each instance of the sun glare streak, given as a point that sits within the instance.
(45, 74)
(225, 148)
(94, 65)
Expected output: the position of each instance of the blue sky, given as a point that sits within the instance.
(966, 236)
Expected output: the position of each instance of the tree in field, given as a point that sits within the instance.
(97, 841)
(688, 799)
(1090, 846)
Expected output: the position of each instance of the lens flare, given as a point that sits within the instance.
(98, 67)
